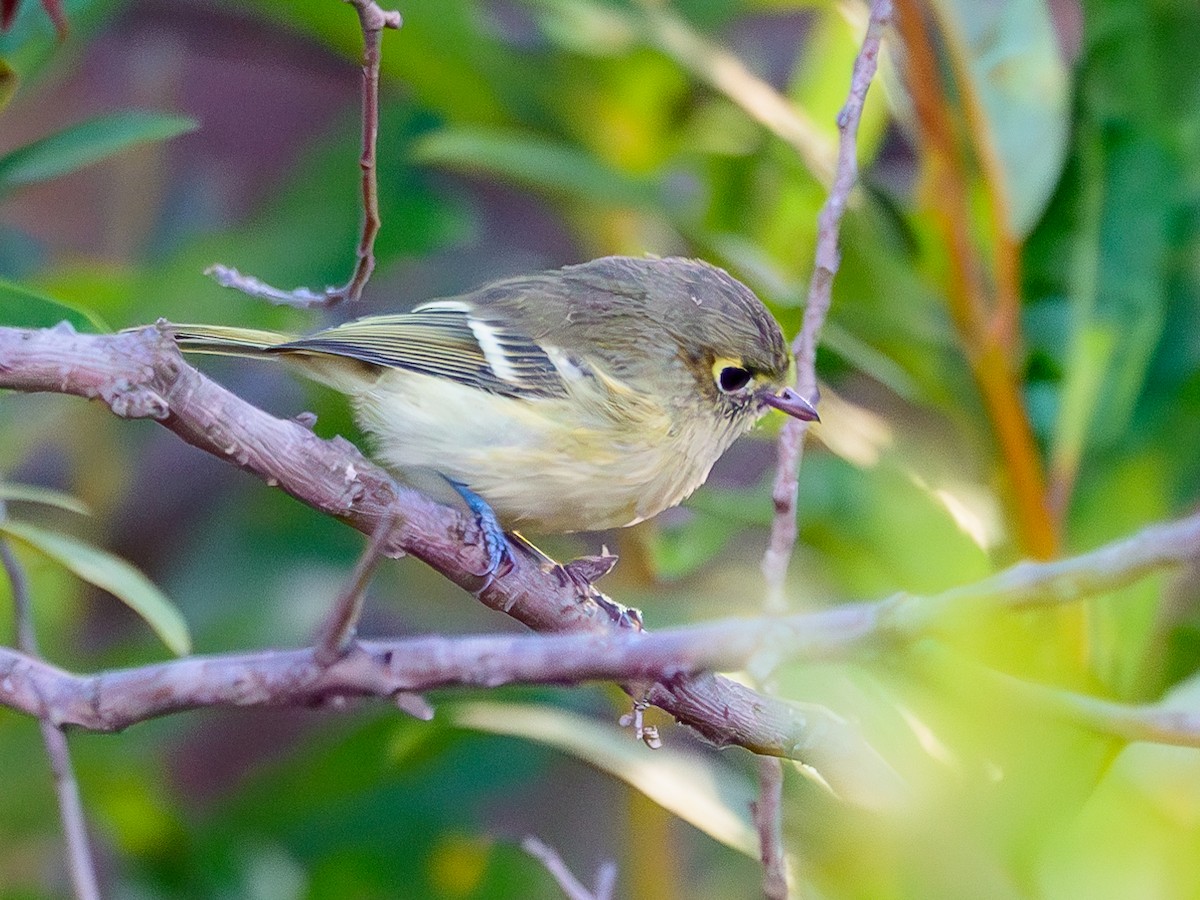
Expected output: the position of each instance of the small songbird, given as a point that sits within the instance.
(585, 398)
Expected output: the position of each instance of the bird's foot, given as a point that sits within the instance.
(581, 574)
(495, 542)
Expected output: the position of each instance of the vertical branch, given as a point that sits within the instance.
(337, 632)
(768, 820)
(768, 810)
(19, 583)
(791, 437)
(70, 807)
(373, 20)
(70, 810)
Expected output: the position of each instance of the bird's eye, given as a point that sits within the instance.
(732, 379)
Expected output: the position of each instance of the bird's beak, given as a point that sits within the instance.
(790, 402)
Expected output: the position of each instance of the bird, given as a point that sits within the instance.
(579, 399)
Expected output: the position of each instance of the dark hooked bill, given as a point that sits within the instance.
(793, 404)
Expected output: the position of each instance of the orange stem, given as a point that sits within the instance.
(983, 300)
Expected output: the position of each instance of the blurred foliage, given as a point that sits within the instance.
(519, 134)
(86, 143)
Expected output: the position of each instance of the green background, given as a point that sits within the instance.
(536, 133)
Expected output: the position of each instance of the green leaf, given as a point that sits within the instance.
(442, 55)
(111, 573)
(32, 493)
(1011, 71)
(536, 162)
(85, 143)
(23, 308)
(683, 548)
(703, 791)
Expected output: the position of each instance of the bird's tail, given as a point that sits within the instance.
(224, 340)
(348, 375)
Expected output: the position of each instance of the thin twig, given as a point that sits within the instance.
(19, 583)
(373, 20)
(336, 633)
(1057, 583)
(571, 886)
(1159, 723)
(791, 438)
(70, 808)
(768, 811)
(606, 880)
(768, 820)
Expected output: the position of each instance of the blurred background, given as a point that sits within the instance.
(1011, 370)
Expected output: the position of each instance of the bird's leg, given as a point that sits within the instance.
(580, 573)
(494, 540)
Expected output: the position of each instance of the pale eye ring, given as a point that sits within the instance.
(732, 379)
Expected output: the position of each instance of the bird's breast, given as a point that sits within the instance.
(544, 464)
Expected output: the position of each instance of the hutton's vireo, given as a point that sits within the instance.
(586, 398)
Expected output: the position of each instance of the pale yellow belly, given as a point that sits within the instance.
(545, 465)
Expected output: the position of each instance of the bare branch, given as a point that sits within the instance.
(70, 811)
(70, 807)
(141, 375)
(791, 437)
(113, 700)
(768, 811)
(19, 584)
(1063, 581)
(373, 20)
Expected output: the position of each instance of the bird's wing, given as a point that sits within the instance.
(445, 339)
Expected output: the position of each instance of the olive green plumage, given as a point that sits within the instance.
(589, 397)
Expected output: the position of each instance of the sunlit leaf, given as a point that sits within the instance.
(111, 573)
(590, 28)
(32, 493)
(86, 143)
(23, 308)
(1016, 78)
(1139, 828)
(703, 791)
